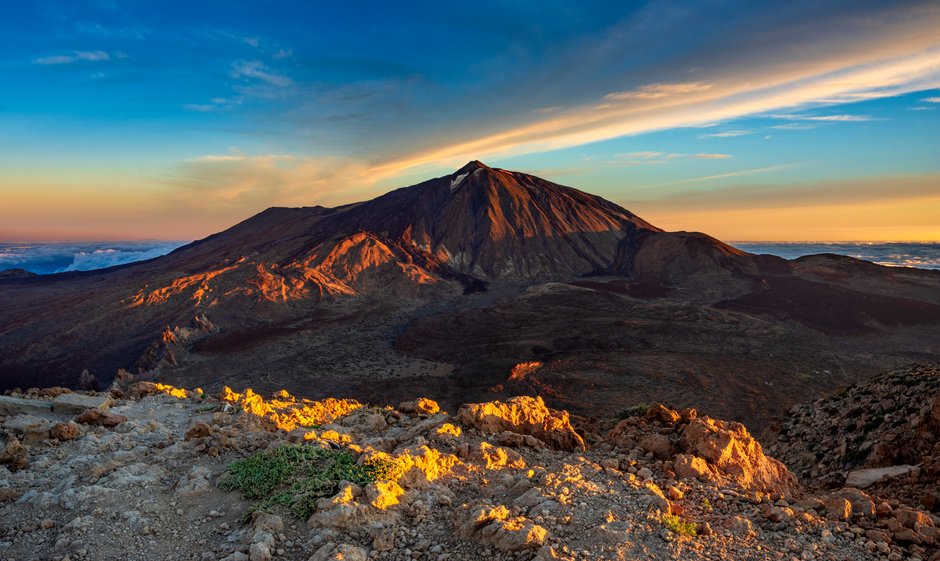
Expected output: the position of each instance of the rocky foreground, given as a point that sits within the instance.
(154, 472)
(883, 436)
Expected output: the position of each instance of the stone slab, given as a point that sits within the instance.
(862, 478)
(10, 406)
(75, 403)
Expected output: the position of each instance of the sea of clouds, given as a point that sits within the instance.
(59, 257)
(45, 258)
(924, 255)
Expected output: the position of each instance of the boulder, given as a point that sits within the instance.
(418, 465)
(910, 518)
(67, 430)
(862, 504)
(777, 513)
(140, 390)
(735, 454)
(14, 454)
(267, 522)
(100, 418)
(420, 406)
(523, 415)
(838, 508)
(657, 499)
(494, 526)
(259, 551)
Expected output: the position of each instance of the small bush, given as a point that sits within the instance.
(633, 411)
(678, 526)
(294, 476)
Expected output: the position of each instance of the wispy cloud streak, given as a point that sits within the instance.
(76, 56)
(257, 70)
(658, 91)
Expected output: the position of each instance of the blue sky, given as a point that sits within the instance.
(747, 120)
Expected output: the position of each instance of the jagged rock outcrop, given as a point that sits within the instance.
(729, 448)
(523, 415)
(705, 449)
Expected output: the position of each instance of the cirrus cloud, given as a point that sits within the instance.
(76, 56)
(657, 91)
(257, 70)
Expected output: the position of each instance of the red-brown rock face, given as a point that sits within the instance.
(498, 224)
(705, 449)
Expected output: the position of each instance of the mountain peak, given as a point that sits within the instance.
(471, 167)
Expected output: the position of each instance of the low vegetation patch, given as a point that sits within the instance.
(633, 411)
(294, 476)
(678, 526)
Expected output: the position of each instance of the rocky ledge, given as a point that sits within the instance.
(155, 472)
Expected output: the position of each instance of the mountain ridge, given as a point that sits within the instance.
(394, 289)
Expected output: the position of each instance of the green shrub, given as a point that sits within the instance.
(633, 411)
(679, 526)
(294, 476)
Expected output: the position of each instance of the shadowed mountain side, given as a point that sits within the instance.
(833, 309)
(864, 276)
(599, 350)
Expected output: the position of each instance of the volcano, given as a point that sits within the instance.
(445, 285)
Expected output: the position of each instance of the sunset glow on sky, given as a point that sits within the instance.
(782, 121)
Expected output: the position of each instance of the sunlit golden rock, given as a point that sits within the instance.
(416, 466)
(170, 390)
(383, 494)
(335, 436)
(286, 412)
(496, 457)
(446, 433)
(524, 415)
(735, 454)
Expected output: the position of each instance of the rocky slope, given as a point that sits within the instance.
(883, 436)
(151, 471)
